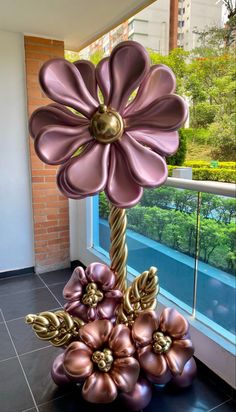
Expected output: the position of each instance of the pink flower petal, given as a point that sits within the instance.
(77, 309)
(167, 113)
(53, 114)
(63, 83)
(73, 288)
(114, 294)
(152, 363)
(103, 78)
(121, 188)
(64, 186)
(87, 71)
(87, 173)
(99, 388)
(101, 274)
(165, 143)
(56, 144)
(159, 81)
(147, 167)
(92, 314)
(129, 63)
(178, 355)
(120, 341)
(173, 323)
(77, 361)
(125, 373)
(96, 334)
(106, 309)
(144, 326)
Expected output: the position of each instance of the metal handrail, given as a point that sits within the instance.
(217, 188)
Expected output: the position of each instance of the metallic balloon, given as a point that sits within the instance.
(91, 293)
(103, 361)
(58, 373)
(187, 376)
(163, 344)
(119, 146)
(139, 397)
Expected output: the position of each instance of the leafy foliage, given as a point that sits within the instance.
(202, 163)
(168, 216)
(222, 133)
(179, 157)
(215, 175)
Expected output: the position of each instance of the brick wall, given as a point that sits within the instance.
(50, 209)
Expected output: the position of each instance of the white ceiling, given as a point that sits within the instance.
(77, 22)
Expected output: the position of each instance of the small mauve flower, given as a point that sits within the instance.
(164, 346)
(103, 361)
(117, 146)
(91, 294)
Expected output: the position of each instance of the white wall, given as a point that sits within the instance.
(153, 21)
(16, 232)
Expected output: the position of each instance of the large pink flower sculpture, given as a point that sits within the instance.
(123, 144)
(103, 361)
(91, 294)
(164, 346)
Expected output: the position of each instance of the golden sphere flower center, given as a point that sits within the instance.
(92, 296)
(161, 343)
(103, 359)
(106, 125)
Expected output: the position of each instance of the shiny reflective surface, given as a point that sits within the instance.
(119, 147)
(202, 396)
(163, 233)
(106, 125)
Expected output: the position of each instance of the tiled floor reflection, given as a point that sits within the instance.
(25, 381)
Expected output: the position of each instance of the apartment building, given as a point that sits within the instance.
(151, 26)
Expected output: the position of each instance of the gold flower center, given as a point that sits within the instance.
(161, 343)
(106, 125)
(103, 359)
(92, 296)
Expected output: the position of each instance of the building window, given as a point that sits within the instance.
(131, 26)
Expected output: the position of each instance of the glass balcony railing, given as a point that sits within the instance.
(187, 230)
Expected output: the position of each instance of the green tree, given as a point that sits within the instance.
(223, 139)
(211, 236)
(179, 157)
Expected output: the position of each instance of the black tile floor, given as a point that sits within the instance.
(25, 381)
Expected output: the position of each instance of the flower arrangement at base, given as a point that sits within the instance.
(91, 294)
(115, 346)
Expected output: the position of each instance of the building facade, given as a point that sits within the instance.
(195, 16)
(151, 26)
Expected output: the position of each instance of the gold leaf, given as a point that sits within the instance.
(59, 328)
(141, 295)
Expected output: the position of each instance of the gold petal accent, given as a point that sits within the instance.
(141, 295)
(59, 328)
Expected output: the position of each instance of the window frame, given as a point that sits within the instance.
(211, 348)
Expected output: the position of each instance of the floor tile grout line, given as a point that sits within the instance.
(49, 290)
(54, 399)
(22, 291)
(215, 407)
(23, 371)
(11, 357)
(22, 317)
(16, 276)
(35, 350)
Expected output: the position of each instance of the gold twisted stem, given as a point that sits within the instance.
(141, 295)
(59, 328)
(118, 248)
